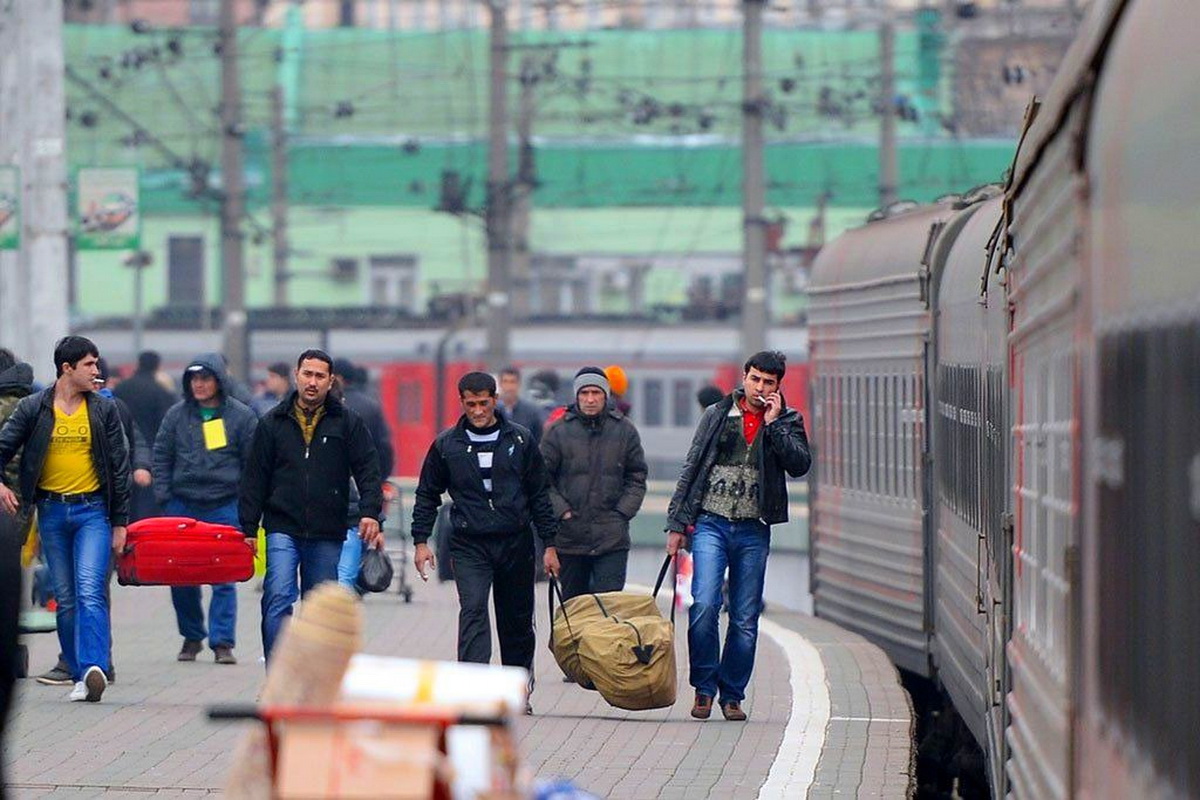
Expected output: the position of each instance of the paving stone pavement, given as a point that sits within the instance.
(149, 737)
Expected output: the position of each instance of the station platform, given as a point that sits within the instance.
(828, 716)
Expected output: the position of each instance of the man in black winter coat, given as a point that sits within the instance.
(497, 480)
(16, 379)
(297, 483)
(597, 482)
(733, 487)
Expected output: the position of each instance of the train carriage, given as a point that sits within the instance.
(869, 327)
(1063, 430)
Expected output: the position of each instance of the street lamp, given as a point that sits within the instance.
(138, 260)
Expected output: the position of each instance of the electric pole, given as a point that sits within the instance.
(888, 182)
(279, 197)
(233, 278)
(499, 204)
(33, 279)
(523, 196)
(754, 224)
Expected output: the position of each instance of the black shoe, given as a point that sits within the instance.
(111, 674)
(191, 648)
(528, 709)
(59, 675)
(568, 679)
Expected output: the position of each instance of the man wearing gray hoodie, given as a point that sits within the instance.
(199, 454)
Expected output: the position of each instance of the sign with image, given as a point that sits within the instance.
(10, 208)
(107, 216)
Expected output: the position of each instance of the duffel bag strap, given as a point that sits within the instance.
(662, 573)
(552, 588)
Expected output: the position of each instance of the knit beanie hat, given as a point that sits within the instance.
(591, 376)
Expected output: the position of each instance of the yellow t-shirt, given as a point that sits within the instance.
(69, 468)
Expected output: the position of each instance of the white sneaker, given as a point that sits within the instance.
(79, 693)
(94, 683)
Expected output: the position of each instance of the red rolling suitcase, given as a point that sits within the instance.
(181, 551)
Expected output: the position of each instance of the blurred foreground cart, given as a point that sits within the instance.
(369, 751)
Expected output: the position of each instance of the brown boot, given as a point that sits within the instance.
(224, 654)
(191, 648)
(702, 708)
(733, 712)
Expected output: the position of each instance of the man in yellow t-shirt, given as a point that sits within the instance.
(75, 465)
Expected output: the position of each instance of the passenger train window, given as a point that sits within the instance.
(683, 400)
(652, 403)
(408, 407)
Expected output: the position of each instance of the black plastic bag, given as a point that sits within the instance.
(375, 574)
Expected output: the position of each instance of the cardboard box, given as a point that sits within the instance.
(357, 760)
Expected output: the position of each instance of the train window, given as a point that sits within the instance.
(409, 405)
(652, 403)
(683, 400)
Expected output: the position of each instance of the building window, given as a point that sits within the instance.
(393, 281)
(185, 271)
(204, 12)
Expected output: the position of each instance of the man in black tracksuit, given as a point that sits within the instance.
(497, 480)
(297, 483)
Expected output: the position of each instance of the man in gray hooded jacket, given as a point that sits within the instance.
(199, 454)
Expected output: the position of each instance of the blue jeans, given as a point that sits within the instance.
(317, 562)
(350, 561)
(77, 542)
(222, 609)
(741, 546)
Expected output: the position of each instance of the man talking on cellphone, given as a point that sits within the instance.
(732, 489)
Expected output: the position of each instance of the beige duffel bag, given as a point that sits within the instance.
(619, 644)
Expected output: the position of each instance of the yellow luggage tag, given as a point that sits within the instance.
(214, 434)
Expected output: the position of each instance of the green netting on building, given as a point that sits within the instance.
(377, 117)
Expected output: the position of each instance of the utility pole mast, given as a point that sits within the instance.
(233, 276)
(499, 205)
(33, 279)
(754, 224)
(523, 196)
(888, 181)
(279, 196)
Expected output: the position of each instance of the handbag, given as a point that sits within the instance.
(375, 573)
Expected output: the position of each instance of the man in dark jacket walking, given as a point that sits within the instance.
(16, 379)
(75, 464)
(597, 482)
(297, 482)
(497, 480)
(733, 487)
(520, 411)
(200, 453)
(149, 402)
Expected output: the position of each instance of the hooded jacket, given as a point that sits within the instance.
(597, 472)
(184, 468)
(303, 489)
(30, 426)
(519, 486)
(16, 382)
(784, 450)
